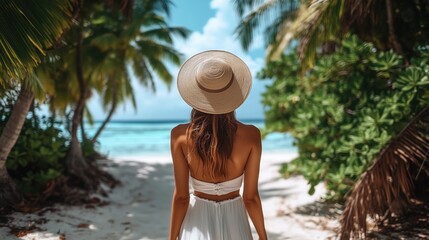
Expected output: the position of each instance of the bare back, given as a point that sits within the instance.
(245, 157)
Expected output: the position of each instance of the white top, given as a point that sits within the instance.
(217, 188)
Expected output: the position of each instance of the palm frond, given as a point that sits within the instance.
(272, 31)
(171, 54)
(32, 82)
(281, 33)
(28, 29)
(388, 181)
(114, 81)
(166, 33)
(162, 6)
(161, 70)
(105, 42)
(6, 84)
(241, 6)
(155, 7)
(266, 12)
(88, 115)
(151, 19)
(148, 47)
(319, 23)
(129, 91)
(44, 76)
(143, 72)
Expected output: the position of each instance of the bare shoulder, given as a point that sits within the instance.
(249, 131)
(177, 141)
(179, 131)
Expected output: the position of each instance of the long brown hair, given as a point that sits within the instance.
(210, 137)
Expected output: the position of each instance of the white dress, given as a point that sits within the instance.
(211, 220)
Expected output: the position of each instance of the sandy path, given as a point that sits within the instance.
(140, 207)
(290, 213)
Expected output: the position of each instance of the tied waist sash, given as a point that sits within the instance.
(217, 188)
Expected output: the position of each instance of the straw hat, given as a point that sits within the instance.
(214, 82)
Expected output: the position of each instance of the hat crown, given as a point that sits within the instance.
(214, 81)
(214, 74)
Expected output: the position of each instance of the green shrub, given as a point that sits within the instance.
(344, 110)
(90, 150)
(37, 156)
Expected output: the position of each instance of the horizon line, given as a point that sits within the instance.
(169, 120)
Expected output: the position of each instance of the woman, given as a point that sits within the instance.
(215, 153)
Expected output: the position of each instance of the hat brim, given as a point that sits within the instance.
(209, 102)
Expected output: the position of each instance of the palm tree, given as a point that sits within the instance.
(312, 22)
(143, 44)
(28, 30)
(69, 65)
(8, 192)
(275, 16)
(111, 44)
(387, 24)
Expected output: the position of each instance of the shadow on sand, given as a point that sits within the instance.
(139, 208)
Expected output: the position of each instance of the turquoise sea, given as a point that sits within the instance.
(136, 138)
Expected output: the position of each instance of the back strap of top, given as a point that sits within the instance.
(217, 188)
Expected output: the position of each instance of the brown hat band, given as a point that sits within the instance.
(216, 90)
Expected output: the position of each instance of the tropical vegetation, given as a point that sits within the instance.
(28, 31)
(61, 54)
(349, 82)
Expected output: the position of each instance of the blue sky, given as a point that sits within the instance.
(212, 23)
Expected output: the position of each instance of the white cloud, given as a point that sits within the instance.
(220, 4)
(217, 33)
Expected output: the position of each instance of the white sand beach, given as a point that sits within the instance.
(139, 208)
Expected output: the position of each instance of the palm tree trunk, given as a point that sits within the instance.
(103, 125)
(76, 164)
(88, 175)
(391, 26)
(33, 112)
(109, 116)
(82, 126)
(8, 192)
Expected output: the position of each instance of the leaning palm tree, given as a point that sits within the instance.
(106, 45)
(312, 22)
(389, 24)
(28, 30)
(274, 17)
(144, 44)
(68, 65)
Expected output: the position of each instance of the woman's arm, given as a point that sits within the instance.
(180, 201)
(250, 193)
